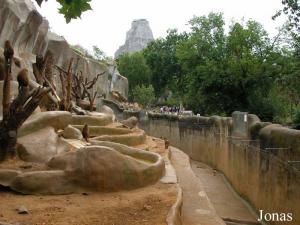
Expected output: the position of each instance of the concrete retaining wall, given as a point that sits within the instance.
(256, 157)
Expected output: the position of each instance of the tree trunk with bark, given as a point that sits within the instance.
(16, 112)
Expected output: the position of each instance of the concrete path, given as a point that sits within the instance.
(196, 208)
(207, 198)
(228, 204)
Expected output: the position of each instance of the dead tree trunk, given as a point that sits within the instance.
(76, 88)
(42, 71)
(21, 108)
(69, 86)
(66, 87)
(87, 85)
(48, 70)
(91, 98)
(74, 85)
(8, 56)
(15, 113)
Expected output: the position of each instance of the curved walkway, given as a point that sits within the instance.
(196, 207)
(207, 198)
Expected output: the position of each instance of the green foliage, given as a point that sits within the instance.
(213, 72)
(291, 8)
(173, 101)
(296, 119)
(160, 56)
(144, 95)
(71, 9)
(98, 53)
(231, 72)
(134, 67)
(202, 57)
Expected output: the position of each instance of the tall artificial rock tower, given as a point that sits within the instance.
(137, 38)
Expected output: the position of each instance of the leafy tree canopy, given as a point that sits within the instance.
(291, 8)
(98, 53)
(134, 67)
(214, 72)
(160, 56)
(71, 9)
(144, 95)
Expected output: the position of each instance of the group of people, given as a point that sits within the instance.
(169, 110)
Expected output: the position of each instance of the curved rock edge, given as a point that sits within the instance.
(174, 214)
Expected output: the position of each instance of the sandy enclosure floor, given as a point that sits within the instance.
(145, 206)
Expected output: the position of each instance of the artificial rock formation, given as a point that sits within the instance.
(130, 122)
(94, 168)
(40, 146)
(29, 34)
(62, 163)
(137, 38)
(71, 132)
(52, 157)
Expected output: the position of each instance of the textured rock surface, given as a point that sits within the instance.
(107, 110)
(71, 132)
(132, 139)
(29, 33)
(42, 182)
(137, 38)
(56, 119)
(7, 176)
(102, 130)
(100, 120)
(130, 122)
(40, 146)
(109, 167)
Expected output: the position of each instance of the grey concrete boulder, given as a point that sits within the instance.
(99, 120)
(7, 176)
(40, 146)
(105, 167)
(131, 122)
(135, 138)
(71, 132)
(95, 131)
(108, 111)
(101, 168)
(43, 182)
(56, 119)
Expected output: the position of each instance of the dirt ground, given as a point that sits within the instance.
(17, 164)
(145, 206)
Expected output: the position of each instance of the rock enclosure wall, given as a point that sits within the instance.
(256, 157)
(29, 33)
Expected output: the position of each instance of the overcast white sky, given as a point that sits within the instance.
(107, 24)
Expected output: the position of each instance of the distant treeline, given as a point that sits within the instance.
(216, 72)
